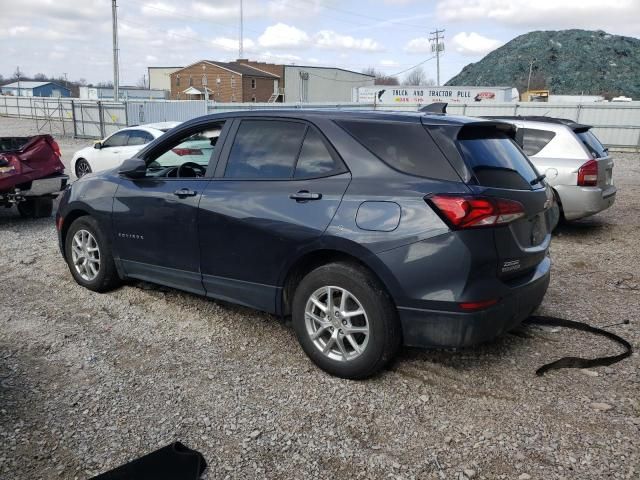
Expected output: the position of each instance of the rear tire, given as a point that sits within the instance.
(324, 337)
(36, 207)
(82, 168)
(89, 257)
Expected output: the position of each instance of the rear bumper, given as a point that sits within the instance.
(51, 185)
(437, 328)
(578, 202)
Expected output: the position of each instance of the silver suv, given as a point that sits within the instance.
(577, 166)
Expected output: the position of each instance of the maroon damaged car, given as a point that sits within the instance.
(31, 174)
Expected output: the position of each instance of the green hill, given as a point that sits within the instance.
(569, 62)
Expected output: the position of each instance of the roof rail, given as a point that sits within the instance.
(438, 107)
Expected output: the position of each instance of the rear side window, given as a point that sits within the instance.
(315, 160)
(139, 137)
(495, 159)
(534, 140)
(265, 149)
(406, 147)
(595, 148)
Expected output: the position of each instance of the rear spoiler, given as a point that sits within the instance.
(576, 127)
(438, 107)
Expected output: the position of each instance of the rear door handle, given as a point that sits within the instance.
(305, 196)
(185, 192)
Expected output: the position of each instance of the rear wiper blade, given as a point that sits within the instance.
(538, 179)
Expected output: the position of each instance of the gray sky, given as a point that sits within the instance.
(74, 36)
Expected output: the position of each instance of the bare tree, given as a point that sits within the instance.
(82, 82)
(418, 77)
(381, 78)
(40, 77)
(142, 82)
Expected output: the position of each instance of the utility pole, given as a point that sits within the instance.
(437, 47)
(18, 75)
(240, 46)
(530, 71)
(116, 80)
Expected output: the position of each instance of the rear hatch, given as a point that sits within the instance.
(498, 169)
(598, 152)
(23, 159)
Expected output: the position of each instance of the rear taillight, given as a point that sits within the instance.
(186, 151)
(56, 148)
(588, 174)
(465, 211)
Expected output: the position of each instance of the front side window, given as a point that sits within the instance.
(265, 149)
(118, 139)
(196, 149)
(534, 140)
(139, 137)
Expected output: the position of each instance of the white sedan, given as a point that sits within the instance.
(117, 147)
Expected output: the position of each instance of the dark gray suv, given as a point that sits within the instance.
(371, 229)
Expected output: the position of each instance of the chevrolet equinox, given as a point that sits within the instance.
(371, 230)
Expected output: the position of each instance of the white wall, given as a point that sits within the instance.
(159, 77)
(323, 84)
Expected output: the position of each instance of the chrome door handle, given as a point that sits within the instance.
(305, 196)
(185, 192)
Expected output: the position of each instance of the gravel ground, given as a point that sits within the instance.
(90, 381)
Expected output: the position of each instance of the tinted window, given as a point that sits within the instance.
(595, 148)
(265, 149)
(139, 137)
(116, 140)
(495, 159)
(535, 140)
(315, 160)
(407, 147)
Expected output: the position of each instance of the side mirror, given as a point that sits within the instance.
(97, 145)
(133, 168)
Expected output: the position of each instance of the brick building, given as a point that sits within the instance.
(223, 82)
(249, 81)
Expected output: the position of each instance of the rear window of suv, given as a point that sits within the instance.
(595, 148)
(404, 146)
(495, 159)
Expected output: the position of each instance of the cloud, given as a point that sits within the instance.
(221, 11)
(281, 35)
(591, 14)
(418, 45)
(331, 40)
(231, 44)
(473, 44)
(158, 9)
(389, 63)
(280, 9)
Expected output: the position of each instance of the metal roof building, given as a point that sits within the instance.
(35, 89)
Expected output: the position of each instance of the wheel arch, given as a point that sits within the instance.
(69, 218)
(311, 260)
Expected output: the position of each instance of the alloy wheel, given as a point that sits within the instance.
(82, 168)
(85, 255)
(336, 323)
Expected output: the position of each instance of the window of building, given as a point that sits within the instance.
(265, 149)
(204, 80)
(190, 81)
(177, 80)
(233, 97)
(253, 83)
(233, 82)
(253, 98)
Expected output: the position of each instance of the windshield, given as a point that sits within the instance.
(495, 159)
(593, 145)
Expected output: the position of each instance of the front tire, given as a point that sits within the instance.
(345, 321)
(89, 257)
(82, 168)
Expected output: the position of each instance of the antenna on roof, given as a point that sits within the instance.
(439, 107)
